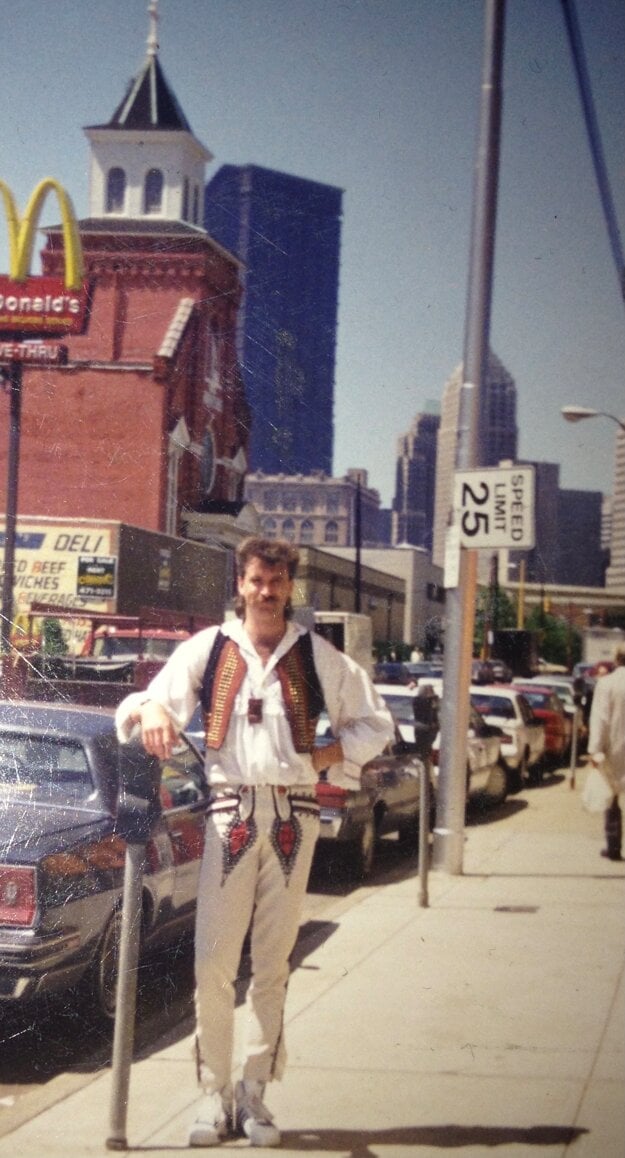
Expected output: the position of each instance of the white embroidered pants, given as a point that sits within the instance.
(257, 856)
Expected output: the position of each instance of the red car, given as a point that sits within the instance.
(549, 709)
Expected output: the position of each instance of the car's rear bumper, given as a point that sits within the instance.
(33, 963)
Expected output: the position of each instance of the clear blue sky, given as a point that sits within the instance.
(380, 97)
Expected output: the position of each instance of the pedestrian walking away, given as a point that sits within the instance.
(606, 748)
(262, 681)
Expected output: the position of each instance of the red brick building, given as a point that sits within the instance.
(148, 417)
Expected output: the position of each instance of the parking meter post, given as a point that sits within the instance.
(126, 998)
(424, 834)
(574, 747)
(579, 693)
(138, 813)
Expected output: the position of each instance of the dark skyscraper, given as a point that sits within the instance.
(286, 232)
(415, 480)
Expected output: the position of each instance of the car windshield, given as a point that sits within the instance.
(564, 692)
(44, 769)
(118, 647)
(537, 699)
(494, 706)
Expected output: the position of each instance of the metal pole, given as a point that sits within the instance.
(358, 539)
(574, 746)
(11, 506)
(126, 997)
(424, 835)
(520, 611)
(449, 830)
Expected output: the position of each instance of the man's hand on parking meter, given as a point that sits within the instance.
(158, 733)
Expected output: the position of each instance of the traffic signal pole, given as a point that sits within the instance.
(460, 563)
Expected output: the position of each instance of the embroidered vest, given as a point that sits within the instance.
(301, 690)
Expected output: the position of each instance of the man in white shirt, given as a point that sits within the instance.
(262, 681)
(606, 747)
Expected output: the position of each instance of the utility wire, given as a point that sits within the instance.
(594, 137)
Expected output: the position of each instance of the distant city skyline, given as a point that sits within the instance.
(381, 101)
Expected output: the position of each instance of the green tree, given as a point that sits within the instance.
(53, 640)
(558, 641)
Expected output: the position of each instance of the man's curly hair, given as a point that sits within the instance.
(271, 552)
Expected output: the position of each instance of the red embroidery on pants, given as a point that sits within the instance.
(238, 837)
(286, 838)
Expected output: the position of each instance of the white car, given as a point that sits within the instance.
(523, 741)
(487, 776)
(398, 699)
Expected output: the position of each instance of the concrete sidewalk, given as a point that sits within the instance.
(491, 1020)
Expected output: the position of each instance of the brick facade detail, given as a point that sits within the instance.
(159, 348)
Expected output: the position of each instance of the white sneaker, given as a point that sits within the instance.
(213, 1122)
(252, 1117)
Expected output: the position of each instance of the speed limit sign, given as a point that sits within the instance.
(494, 507)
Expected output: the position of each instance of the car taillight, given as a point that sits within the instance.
(18, 900)
(331, 795)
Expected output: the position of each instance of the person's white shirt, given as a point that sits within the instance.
(260, 755)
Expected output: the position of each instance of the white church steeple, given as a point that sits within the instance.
(145, 162)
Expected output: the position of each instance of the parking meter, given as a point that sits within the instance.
(425, 710)
(138, 808)
(137, 815)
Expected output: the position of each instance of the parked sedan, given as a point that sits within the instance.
(523, 741)
(563, 687)
(62, 854)
(387, 801)
(399, 702)
(487, 776)
(548, 707)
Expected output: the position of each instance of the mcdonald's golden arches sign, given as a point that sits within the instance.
(41, 306)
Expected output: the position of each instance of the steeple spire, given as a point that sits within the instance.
(145, 161)
(153, 32)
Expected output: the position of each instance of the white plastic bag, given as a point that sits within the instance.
(596, 793)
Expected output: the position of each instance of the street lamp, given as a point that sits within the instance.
(578, 413)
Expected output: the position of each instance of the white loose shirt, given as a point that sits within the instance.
(606, 739)
(261, 754)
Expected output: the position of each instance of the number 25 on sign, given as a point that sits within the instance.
(494, 507)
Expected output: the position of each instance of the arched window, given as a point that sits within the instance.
(307, 531)
(185, 199)
(331, 532)
(115, 191)
(196, 205)
(269, 528)
(288, 530)
(153, 191)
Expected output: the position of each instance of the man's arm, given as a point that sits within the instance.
(168, 702)
(326, 755)
(361, 721)
(158, 734)
(599, 724)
